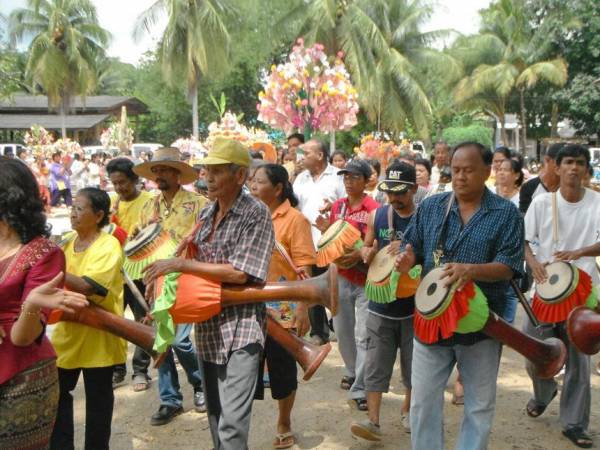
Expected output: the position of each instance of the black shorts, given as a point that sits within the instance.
(283, 372)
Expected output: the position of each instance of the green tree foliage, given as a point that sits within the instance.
(581, 101)
(67, 40)
(475, 132)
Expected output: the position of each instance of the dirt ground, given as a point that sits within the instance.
(321, 417)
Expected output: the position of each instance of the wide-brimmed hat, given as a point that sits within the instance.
(167, 156)
(399, 178)
(227, 151)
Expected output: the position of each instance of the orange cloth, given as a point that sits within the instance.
(292, 231)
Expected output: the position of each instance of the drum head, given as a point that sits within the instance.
(147, 234)
(561, 276)
(431, 293)
(382, 265)
(331, 232)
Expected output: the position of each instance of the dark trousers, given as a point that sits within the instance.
(99, 401)
(141, 360)
(317, 314)
(64, 193)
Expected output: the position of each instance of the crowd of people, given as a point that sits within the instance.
(476, 213)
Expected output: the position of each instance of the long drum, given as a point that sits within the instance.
(443, 310)
(583, 328)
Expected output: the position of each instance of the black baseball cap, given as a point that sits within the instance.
(357, 166)
(399, 178)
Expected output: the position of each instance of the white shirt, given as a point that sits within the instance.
(312, 193)
(578, 226)
(93, 174)
(435, 175)
(514, 199)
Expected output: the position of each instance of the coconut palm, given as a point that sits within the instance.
(507, 55)
(384, 48)
(195, 42)
(66, 40)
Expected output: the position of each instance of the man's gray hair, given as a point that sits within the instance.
(235, 167)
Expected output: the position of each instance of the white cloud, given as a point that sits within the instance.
(119, 16)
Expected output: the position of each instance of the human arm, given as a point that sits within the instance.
(225, 273)
(369, 249)
(462, 273)
(573, 255)
(538, 269)
(81, 285)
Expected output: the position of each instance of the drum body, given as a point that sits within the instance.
(116, 231)
(339, 239)
(566, 288)
(384, 284)
(149, 245)
(441, 311)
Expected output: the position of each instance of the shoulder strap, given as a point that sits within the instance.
(554, 218)
(185, 248)
(390, 220)
(288, 259)
(439, 247)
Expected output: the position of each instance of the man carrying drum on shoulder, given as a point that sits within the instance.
(389, 325)
(126, 209)
(564, 226)
(175, 209)
(476, 236)
(234, 244)
(350, 322)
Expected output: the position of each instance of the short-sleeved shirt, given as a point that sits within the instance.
(311, 193)
(244, 238)
(357, 217)
(180, 217)
(578, 226)
(402, 307)
(530, 190)
(81, 346)
(128, 213)
(59, 178)
(493, 234)
(292, 231)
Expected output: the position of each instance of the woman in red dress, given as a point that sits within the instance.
(30, 275)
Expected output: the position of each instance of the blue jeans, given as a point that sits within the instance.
(168, 381)
(431, 368)
(510, 311)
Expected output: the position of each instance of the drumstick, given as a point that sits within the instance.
(525, 304)
(135, 291)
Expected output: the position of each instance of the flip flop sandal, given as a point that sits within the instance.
(140, 383)
(346, 383)
(284, 440)
(578, 437)
(534, 409)
(458, 399)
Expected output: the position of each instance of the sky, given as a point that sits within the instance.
(118, 17)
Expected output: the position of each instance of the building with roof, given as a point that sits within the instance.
(84, 122)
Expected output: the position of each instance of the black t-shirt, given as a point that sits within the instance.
(528, 191)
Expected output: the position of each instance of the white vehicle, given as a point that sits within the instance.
(148, 148)
(595, 154)
(10, 149)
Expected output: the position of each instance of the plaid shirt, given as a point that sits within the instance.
(495, 233)
(244, 238)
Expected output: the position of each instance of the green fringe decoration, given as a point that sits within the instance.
(165, 327)
(387, 293)
(134, 268)
(359, 244)
(592, 300)
(478, 314)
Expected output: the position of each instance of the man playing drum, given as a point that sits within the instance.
(389, 325)
(175, 209)
(350, 321)
(565, 226)
(477, 236)
(234, 245)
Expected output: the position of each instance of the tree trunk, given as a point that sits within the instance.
(63, 119)
(554, 121)
(194, 95)
(503, 130)
(331, 143)
(523, 120)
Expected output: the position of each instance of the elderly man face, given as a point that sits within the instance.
(224, 181)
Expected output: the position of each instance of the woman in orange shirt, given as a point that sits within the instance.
(292, 231)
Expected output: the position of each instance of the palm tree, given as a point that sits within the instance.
(66, 42)
(195, 42)
(508, 54)
(384, 49)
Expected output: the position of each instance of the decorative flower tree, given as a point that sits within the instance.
(118, 134)
(310, 92)
(39, 140)
(228, 128)
(190, 145)
(377, 146)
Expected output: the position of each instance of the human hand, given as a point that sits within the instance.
(161, 267)
(321, 223)
(368, 253)
(49, 295)
(567, 255)
(538, 270)
(349, 259)
(394, 248)
(405, 260)
(326, 207)
(301, 320)
(456, 273)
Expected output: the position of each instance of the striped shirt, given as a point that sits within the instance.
(244, 238)
(495, 233)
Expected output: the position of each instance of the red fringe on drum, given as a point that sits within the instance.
(558, 312)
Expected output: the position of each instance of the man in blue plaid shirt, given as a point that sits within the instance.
(235, 243)
(481, 240)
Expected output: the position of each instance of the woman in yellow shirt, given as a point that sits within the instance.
(93, 264)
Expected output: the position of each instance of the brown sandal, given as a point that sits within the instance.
(284, 440)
